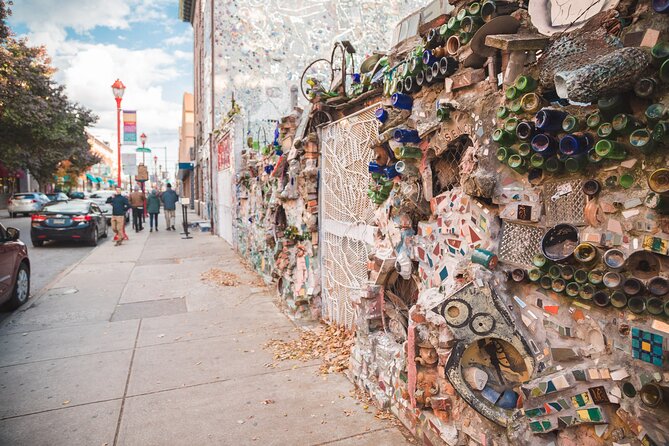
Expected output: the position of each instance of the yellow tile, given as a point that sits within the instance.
(645, 346)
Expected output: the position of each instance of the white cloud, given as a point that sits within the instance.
(153, 76)
(185, 38)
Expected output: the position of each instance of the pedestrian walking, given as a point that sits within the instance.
(169, 199)
(120, 206)
(137, 199)
(153, 208)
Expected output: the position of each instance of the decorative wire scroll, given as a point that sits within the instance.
(346, 212)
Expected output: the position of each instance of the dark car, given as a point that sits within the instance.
(69, 220)
(14, 269)
(58, 196)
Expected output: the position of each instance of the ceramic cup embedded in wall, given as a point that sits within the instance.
(658, 181)
(643, 265)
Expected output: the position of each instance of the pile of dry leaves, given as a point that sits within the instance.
(329, 343)
(220, 277)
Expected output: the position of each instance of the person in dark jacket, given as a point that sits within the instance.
(169, 199)
(153, 208)
(120, 206)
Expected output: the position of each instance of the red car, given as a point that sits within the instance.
(14, 269)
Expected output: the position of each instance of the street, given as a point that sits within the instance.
(51, 259)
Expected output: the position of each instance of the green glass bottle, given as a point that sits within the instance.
(453, 24)
(558, 285)
(502, 112)
(512, 93)
(573, 289)
(443, 114)
(594, 157)
(554, 271)
(462, 13)
(587, 291)
(618, 299)
(610, 149)
(596, 276)
(546, 282)
(524, 150)
(593, 120)
(510, 124)
(408, 152)
(642, 139)
(534, 274)
(517, 163)
(537, 161)
(465, 38)
(656, 112)
(605, 130)
(540, 261)
(474, 8)
(516, 106)
(503, 154)
(575, 164)
(571, 124)
(625, 124)
(525, 83)
(553, 165)
(501, 136)
(581, 276)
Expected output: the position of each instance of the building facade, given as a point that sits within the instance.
(103, 174)
(185, 174)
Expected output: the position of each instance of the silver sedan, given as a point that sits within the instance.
(26, 203)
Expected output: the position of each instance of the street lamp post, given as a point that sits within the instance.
(155, 171)
(143, 138)
(118, 89)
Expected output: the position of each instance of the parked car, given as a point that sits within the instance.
(69, 220)
(58, 196)
(26, 203)
(102, 198)
(79, 195)
(14, 268)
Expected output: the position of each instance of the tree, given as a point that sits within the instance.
(39, 126)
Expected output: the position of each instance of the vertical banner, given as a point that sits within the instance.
(224, 147)
(129, 127)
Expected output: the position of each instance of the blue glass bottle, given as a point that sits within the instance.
(544, 144)
(374, 167)
(549, 120)
(576, 144)
(406, 135)
(402, 101)
(381, 114)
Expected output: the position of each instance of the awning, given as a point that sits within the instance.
(90, 178)
(98, 180)
(111, 182)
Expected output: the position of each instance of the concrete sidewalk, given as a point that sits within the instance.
(131, 347)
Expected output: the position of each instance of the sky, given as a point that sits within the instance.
(141, 42)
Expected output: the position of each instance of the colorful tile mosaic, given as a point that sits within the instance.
(647, 347)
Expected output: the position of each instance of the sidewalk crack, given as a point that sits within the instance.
(127, 384)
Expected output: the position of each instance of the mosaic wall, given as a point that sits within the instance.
(518, 289)
(260, 47)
